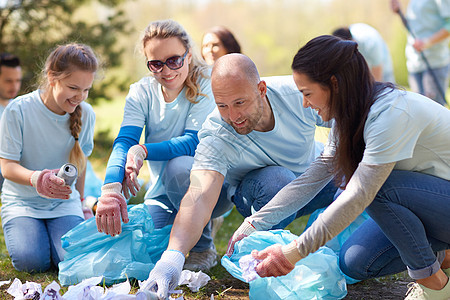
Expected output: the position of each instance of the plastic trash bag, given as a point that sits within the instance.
(92, 184)
(317, 276)
(336, 243)
(132, 254)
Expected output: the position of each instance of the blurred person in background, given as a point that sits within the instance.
(372, 47)
(10, 82)
(217, 42)
(429, 22)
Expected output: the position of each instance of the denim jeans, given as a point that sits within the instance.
(176, 179)
(259, 186)
(425, 84)
(33, 244)
(409, 230)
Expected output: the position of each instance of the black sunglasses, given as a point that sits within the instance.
(173, 63)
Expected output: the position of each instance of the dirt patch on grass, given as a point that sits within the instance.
(228, 287)
(374, 289)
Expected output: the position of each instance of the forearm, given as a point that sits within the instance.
(359, 193)
(195, 209)
(295, 195)
(176, 146)
(438, 37)
(13, 171)
(115, 170)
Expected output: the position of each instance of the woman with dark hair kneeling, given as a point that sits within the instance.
(391, 150)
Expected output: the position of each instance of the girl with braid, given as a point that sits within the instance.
(40, 132)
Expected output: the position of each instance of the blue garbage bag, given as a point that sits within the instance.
(131, 254)
(336, 243)
(93, 184)
(317, 276)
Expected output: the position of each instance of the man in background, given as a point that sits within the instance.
(10, 82)
(372, 47)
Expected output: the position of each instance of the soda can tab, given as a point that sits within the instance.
(69, 173)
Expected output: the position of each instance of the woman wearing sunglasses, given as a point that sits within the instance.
(170, 106)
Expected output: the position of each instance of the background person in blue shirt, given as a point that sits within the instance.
(10, 82)
(429, 20)
(40, 132)
(372, 46)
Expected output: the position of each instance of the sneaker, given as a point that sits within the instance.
(418, 291)
(201, 261)
(215, 225)
(447, 272)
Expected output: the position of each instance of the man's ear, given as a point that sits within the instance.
(262, 87)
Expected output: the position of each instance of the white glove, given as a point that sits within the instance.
(166, 274)
(243, 231)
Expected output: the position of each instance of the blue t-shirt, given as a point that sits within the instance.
(410, 129)
(145, 107)
(290, 144)
(39, 139)
(373, 48)
(426, 17)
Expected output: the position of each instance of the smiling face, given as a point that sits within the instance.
(172, 81)
(314, 95)
(241, 104)
(212, 48)
(67, 93)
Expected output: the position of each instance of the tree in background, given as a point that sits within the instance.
(31, 28)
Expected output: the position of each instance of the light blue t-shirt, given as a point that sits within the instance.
(426, 17)
(373, 48)
(290, 144)
(410, 129)
(40, 139)
(145, 106)
(2, 109)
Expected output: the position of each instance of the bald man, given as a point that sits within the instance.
(259, 139)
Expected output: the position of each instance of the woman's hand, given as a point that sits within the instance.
(135, 160)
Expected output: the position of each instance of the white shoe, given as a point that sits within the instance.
(201, 261)
(419, 292)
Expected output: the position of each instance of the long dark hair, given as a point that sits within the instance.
(326, 57)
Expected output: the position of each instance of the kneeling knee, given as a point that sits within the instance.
(31, 264)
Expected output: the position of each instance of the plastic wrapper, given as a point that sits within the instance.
(317, 276)
(131, 254)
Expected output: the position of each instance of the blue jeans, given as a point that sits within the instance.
(33, 244)
(259, 186)
(424, 83)
(176, 179)
(409, 230)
